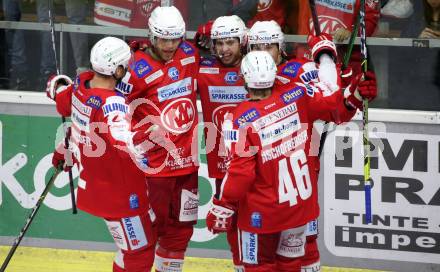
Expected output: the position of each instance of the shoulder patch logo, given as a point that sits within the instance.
(247, 117)
(142, 68)
(291, 69)
(207, 62)
(76, 84)
(292, 95)
(94, 102)
(187, 48)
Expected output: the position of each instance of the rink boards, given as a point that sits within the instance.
(405, 170)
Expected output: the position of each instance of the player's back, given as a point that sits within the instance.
(109, 184)
(284, 193)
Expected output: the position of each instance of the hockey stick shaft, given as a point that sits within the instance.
(365, 138)
(349, 51)
(314, 17)
(29, 220)
(63, 119)
(345, 61)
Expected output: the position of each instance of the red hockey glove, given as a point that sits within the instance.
(63, 158)
(220, 217)
(203, 35)
(363, 86)
(322, 44)
(146, 140)
(346, 76)
(140, 44)
(56, 84)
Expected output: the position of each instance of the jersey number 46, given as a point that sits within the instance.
(286, 187)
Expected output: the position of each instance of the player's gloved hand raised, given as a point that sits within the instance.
(322, 44)
(139, 44)
(220, 216)
(363, 86)
(203, 35)
(56, 84)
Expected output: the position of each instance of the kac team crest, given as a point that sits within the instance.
(179, 116)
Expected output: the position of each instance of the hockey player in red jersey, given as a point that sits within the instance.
(162, 92)
(220, 86)
(221, 89)
(338, 18)
(267, 36)
(110, 185)
(270, 171)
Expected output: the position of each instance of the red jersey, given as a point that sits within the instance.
(109, 184)
(270, 10)
(335, 14)
(167, 96)
(307, 72)
(221, 89)
(270, 172)
(298, 70)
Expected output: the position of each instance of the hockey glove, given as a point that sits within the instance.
(56, 84)
(220, 217)
(63, 159)
(146, 140)
(203, 36)
(140, 44)
(322, 44)
(346, 76)
(363, 86)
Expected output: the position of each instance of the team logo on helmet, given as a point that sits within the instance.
(264, 5)
(173, 73)
(220, 114)
(178, 116)
(231, 77)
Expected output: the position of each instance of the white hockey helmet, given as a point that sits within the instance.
(108, 54)
(258, 69)
(229, 27)
(166, 23)
(266, 32)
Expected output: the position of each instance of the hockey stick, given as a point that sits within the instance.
(315, 17)
(345, 61)
(63, 119)
(29, 220)
(366, 142)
